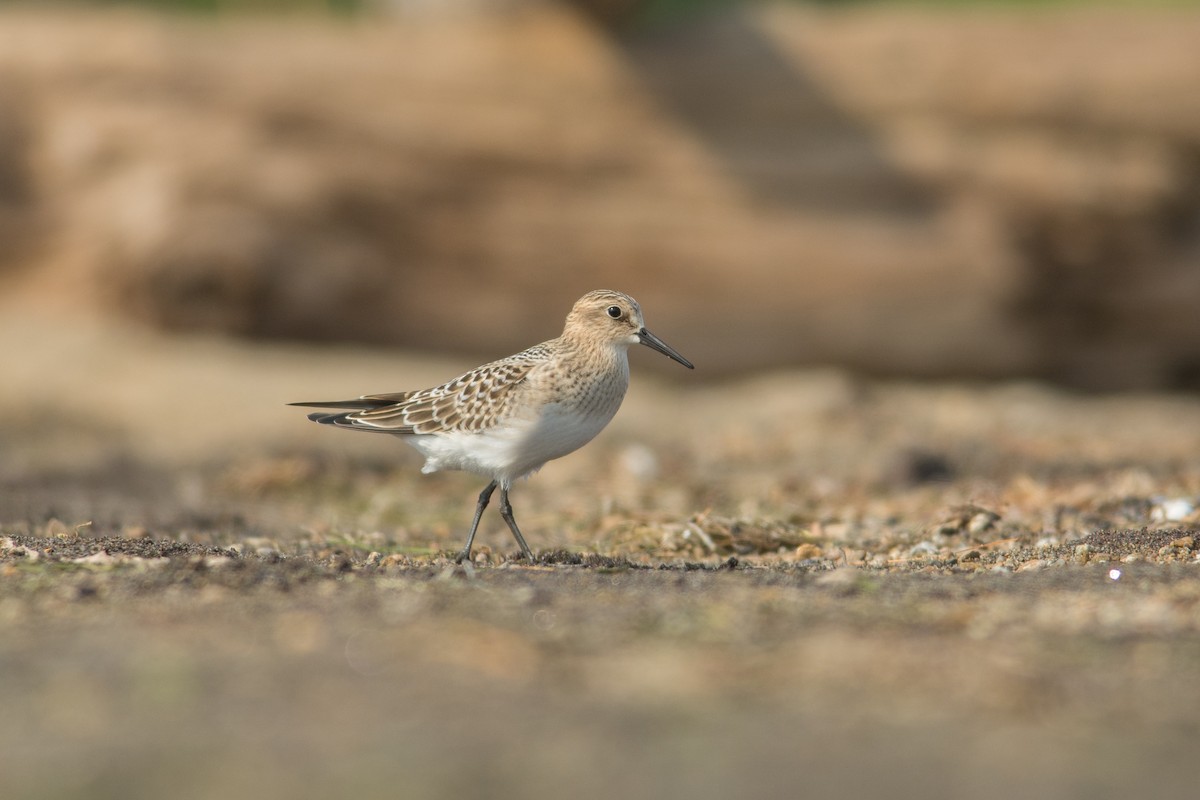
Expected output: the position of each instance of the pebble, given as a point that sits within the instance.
(923, 548)
(982, 521)
(807, 551)
(1172, 510)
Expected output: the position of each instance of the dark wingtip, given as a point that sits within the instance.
(357, 404)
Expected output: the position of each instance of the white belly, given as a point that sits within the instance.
(514, 450)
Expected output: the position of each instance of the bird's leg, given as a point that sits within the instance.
(506, 512)
(484, 497)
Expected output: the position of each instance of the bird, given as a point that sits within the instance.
(504, 420)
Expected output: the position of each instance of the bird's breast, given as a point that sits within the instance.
(569, 419)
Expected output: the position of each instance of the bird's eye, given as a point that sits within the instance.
(614, 312)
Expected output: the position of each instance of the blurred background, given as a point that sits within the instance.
(946, 189)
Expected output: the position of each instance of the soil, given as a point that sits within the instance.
(799, 584)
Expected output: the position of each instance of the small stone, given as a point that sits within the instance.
(923, 548)
(969, 518)
(1172, 510)
(1082, 551)
(1186, 542)
(983, 521)
(807, 551)
(970, 555)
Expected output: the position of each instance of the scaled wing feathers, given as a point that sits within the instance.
(472, 402)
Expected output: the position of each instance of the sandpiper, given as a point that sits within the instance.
(506, 419)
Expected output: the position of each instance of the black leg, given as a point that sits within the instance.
(484, 497)
(506, 512)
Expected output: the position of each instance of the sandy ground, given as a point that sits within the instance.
(801, 583)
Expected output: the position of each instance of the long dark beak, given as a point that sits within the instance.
(654, 343)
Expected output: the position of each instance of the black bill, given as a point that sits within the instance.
(654, 343)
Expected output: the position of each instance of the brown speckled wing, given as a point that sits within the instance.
(472, 402)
